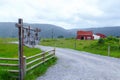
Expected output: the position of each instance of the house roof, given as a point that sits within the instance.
(84, 32)
(99, 34)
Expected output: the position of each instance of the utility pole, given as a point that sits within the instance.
(52, 33)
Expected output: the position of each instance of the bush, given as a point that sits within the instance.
(46, 40)
(115, 47)
(119, 47)
(60, 36)
(101, 41)
(111, 38)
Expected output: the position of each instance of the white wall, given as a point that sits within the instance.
(96, 36)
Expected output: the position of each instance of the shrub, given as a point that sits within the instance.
(119, 47)
(60, 36)
(111, 38)
(101, 41)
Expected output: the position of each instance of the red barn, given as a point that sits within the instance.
(101, 35)
(85, 35)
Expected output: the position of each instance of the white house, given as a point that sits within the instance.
(96, 36)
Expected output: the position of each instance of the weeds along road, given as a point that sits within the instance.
(78, 65)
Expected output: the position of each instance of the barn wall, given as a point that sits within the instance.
(85, 37)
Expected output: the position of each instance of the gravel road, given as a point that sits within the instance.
(79, 65)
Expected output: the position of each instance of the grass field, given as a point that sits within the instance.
(87, 45)
(9, 50)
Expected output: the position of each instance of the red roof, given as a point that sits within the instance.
(101, 35)
(84, 33)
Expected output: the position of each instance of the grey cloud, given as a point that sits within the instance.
(102, 13)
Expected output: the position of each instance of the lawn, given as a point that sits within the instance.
(67, 43)
(10, 50)
(91, 46)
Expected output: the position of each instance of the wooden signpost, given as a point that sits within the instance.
(28, 37)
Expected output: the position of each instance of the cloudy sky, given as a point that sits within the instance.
(65, 13)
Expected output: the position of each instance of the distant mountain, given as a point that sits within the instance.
(47, 30)
(8, 29)
(108, 31)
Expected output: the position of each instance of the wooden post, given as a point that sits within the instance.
(29, 42)
(54, 51)
(24, 63)
(22, 60)
(75, 44)
(119, 40)
(109, 50)
(20, 33)
(43, 55)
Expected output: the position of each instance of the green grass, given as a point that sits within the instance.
(31, 75)
(4, 75)
(67, 43)
(91, 46)
(9, 50)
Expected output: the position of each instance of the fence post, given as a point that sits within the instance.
(20, 33)
(54, 51)
(43, 57)
(24, 65)
(109, 50)
(75, 44)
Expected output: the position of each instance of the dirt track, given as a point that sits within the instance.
(78, 65)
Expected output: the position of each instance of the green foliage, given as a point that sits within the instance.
(119, 47)
(101, 41)
(9, 50)
(33, 74)
(46, 40)
(5, 40)
(111, 38)
(5, 75)
(93, 46)
(60, 36)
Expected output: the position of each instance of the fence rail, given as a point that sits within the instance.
(5, 64)
(41, 57)
(12, 59)
(14, 71)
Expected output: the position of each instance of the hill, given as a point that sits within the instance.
(8, 29)
(108, 31)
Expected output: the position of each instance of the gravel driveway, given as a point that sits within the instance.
(78, 65)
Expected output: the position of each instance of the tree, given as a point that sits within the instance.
(60, 36)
